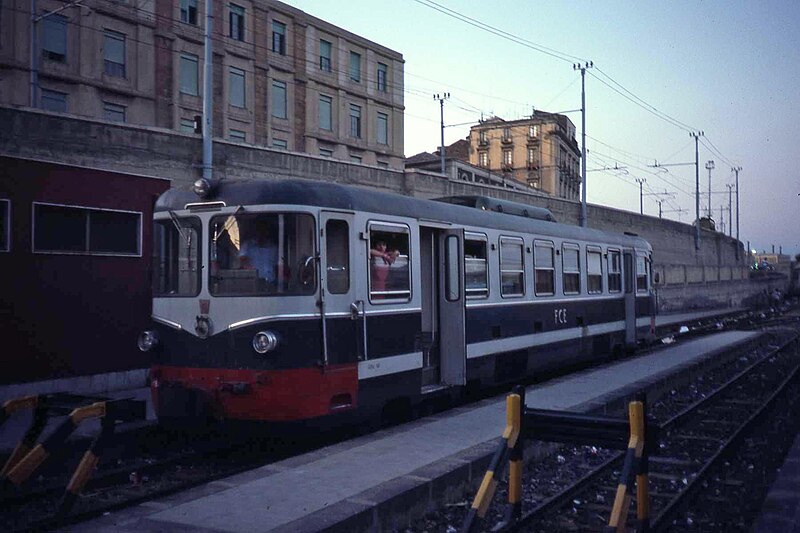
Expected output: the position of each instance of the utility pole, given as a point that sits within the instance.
(730, 212)
(722, 219)
(641, 182)
(583, 68)
(696, 135)
(710, 167)
(659, 202)
(736, 170)
(442, 97)
(208, 96)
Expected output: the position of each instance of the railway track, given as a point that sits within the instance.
(699, 444)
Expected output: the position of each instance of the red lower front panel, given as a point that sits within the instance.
(276, 395)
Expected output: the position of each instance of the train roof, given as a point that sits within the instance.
(347, 197)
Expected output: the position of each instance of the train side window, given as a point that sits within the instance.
(570, 256)
(641, 273)
(594, 271)
(544, 271)
(475, 266)
(337, 250)
(389, 263)
(512, 267)
(628, 273)
(614, 271)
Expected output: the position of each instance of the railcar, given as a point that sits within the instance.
(479, 292)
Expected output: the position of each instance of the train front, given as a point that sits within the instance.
(236, 331)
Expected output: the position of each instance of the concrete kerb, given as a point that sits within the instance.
(398, 502)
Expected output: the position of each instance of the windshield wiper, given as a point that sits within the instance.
(176, 222)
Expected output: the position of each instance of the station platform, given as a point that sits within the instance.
(378, 481)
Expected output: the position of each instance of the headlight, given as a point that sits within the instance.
(147, 340)
(265, 341)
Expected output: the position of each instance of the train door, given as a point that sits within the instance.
(340, 323)
(442, 285)
(630, 297)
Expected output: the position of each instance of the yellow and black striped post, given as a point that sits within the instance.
(38, 404)
(33, 459)
(643, 473)
(87, 465)
(516, 461)
(630, 468)
(495, 471)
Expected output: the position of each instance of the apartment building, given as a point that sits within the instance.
(540, 151)
(282, 78)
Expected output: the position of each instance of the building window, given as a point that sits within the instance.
(236, 22)
(383, 128)
(355, 67)
(237, 135)
(236, 87)
(483, 159)
(571, 268)
(594, 271)
(280, 144)
(189, 11)
(512, 272)
(476, 270)
(279, 37)
(532, 156)
(482, 137)
(325, 113)
(383, 70)
(356, 159)
(544, 268)
(5, 225)
(508, 159)
(355, 121)
(53, 101)
(533, 131)
(189, 70)
(326, 152)
(324, 55)
(187, 125)
(114, 112)
(81, 230)
(279, 99)
(614, 271)
(114, 54)
(506, 134)
(54, 45)
(383, 164)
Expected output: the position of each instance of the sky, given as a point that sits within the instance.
(729, 69)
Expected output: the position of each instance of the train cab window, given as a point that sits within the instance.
(594, 270)
(337, 250)
(614, 271)
(512, 267)
(570, 256)
(642, 273)
(544, 270)
(475, 266)
(257, 254)
(176, 257)
(389, 261)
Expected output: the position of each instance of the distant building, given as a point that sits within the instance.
(282, 78)
(539, 151)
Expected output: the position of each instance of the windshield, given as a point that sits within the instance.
(262, 253)
(176, 257)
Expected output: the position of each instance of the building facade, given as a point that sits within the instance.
(540, 151)
(282, 78)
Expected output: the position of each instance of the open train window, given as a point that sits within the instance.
(594, 270)
(614, 271)
(642, 273)
(475, 265)
(544, 270)
(571, 264)
(254, 254)
(512, 267)
(176, 256)
(389, 263)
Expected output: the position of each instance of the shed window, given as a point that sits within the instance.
(82, 230)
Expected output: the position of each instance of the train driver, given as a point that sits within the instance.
(259, 251)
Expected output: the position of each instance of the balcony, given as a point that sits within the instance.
(532, 165)
(507, 140)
